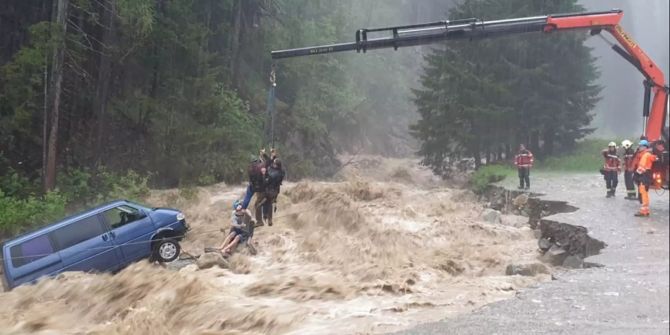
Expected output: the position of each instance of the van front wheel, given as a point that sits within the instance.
(166, 251)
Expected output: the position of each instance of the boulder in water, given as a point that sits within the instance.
(491, 216)
(210, 259)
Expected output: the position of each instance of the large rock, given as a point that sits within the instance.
(573, 261)
(491, 216)
(574, 240)
(210, 259)
(555, 255)
(520, 201)
(544, 244)
(529, 270)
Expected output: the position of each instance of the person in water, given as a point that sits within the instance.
(241, 230)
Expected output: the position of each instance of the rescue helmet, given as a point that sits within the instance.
(644, 143)
(236, 204)
(612, 144)
(626, 144)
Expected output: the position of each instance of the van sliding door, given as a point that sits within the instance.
(86, 246)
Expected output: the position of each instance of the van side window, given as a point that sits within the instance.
(78, 232)
(31, 250)
(122, 215)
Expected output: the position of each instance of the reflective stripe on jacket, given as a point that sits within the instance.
(612, 161)
(629, 160)
(524, 159)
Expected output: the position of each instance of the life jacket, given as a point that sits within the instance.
(612, 161)
(524, 159)
(629, 160)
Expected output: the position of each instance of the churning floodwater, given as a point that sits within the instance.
(385, 247)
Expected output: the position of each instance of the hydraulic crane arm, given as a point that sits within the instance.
(403, 36)
(420, 34)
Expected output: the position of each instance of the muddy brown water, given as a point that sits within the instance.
(385, 247)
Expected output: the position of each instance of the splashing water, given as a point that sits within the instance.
(386, 247)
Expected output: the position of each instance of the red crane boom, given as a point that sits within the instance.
(654, 118)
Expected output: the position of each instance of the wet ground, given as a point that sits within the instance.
(627, 296)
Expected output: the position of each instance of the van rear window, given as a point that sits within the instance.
(31, 250)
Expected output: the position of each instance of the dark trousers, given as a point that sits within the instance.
(611, 180)
(524, 176)
(630, 184)
(270, 198)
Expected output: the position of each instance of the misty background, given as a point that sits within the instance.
(621, 106)
(619, 112)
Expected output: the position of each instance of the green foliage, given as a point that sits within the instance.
(20, 214)
(77, 189)
(21, 94)
(86, 187)
(585, 157)
(485, 96)
(489, 174)
(15, 184)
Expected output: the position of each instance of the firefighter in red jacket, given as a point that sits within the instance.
(629, 166)
(611, 168)
(524, 161)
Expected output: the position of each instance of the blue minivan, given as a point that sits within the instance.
(106, 238)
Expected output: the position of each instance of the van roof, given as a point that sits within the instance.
(67, 220)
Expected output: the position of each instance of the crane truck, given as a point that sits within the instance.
(655, 105)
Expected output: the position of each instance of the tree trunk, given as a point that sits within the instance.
(549, 143)
(477, 153)
(104, 74)
(57, 77)
(478, 159)
(488, 155)
(45, 119)
(235, 43)
(534, 144)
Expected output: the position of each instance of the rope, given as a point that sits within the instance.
(149, 241)
(270, 120)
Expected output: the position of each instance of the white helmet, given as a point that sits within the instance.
(612, 144)
(626, 144)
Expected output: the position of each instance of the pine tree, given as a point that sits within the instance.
(479, 98)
